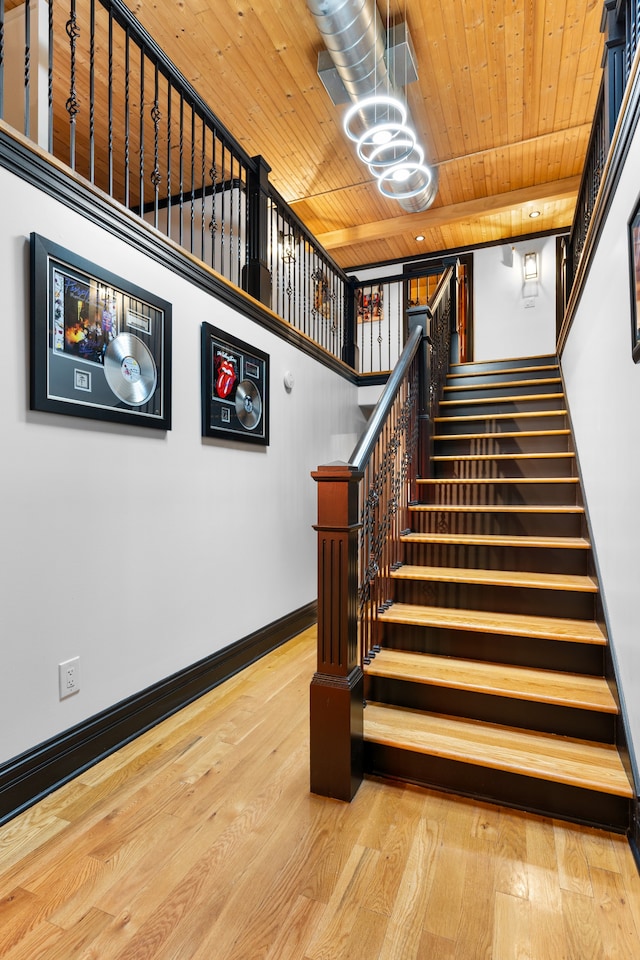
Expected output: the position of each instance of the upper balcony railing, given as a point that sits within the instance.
(621, 25)
(88, 84)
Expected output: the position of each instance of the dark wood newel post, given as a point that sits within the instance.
(336, 697)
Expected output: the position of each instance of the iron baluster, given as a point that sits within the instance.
(49, 74)
(169, 205)
(193, 162)
(92, 85)
(127, 116)
(155, 173)
(2, 57)
(27, 69)
(181, 174)
(141, 155)
(71, 105)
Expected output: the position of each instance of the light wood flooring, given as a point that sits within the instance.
(200, 841)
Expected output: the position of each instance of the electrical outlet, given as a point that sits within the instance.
(69, 677)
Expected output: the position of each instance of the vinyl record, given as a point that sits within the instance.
(130, 369)
(248, 404)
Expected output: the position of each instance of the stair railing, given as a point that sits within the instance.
(362, 511)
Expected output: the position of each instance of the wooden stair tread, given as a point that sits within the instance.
(484, 373)
(507, 434)
(505, 624)
(593, 766)
(500, 416)
(520, 398)
(497, 540)
(495, 508)
(433, 480)
(562, 455)
(504, 383)
(501, 578)
(503, 680)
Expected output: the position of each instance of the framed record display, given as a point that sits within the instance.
(100, 346)
(235, 388)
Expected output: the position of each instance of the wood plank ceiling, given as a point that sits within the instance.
(504, 105)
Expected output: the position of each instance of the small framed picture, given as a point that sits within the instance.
(235, 388)
(100, 346)
(634, 264)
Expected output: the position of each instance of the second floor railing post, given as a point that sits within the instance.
(256, 278)
(613, 61)
(423, 449)
(336, 696)
(350, 349)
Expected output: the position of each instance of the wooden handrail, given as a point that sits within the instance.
(362, 510)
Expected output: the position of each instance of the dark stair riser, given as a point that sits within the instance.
(506, 524)
(496, 469)
(532, 559)
(496, 388)
(462, 408)
(558, 443)
(497, 786)
(500, 494)
(520, 363)
(466, 596)
(560, 655)
(502, 376)
(557, 421)
(580, 723)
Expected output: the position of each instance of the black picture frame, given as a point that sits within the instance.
(634, 277)
(235, 388)
(100, 345)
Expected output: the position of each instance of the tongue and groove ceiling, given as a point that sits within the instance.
(503, 105)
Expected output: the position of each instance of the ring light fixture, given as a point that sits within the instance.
(400, 173)
(381, 104)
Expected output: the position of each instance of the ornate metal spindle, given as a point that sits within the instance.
(49, 74)
(141, 155)
(193, 168)
(92, 86)
(231, 243)
(213, 223)
(155, 173)
(2, 57)
(181, 173)
(27, 69)
(110, 106)
(204, 191)
(71, 105)
(222, 216)
(169, 204)
(127, 115)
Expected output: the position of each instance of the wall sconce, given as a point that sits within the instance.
(530, 266)
(288, 244)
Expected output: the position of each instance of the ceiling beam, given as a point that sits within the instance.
(441, 216)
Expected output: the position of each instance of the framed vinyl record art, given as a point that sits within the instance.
(100, 346)
(235, 388)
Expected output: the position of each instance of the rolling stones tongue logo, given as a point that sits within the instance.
(226, 375)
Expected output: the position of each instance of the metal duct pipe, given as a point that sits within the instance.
(354, 36)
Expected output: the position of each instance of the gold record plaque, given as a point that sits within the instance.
(235, 388)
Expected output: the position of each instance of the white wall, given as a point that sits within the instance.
(142, 552)
(511, 318)
(603, 390)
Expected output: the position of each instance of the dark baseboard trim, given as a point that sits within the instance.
(31, 776)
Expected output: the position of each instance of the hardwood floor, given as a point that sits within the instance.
(200, 841)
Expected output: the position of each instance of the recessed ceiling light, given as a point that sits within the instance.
(420, 236)
(534, 214)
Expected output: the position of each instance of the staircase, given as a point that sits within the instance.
(492, 677)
